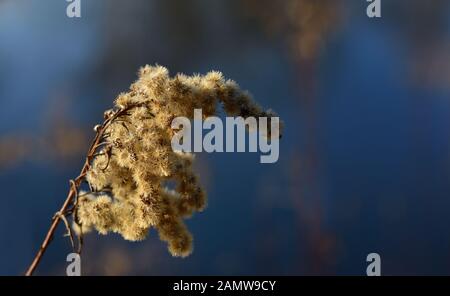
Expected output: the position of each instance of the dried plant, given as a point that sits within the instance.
(131, 159)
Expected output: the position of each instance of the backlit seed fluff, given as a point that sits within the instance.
(128, 173)
(97, 127)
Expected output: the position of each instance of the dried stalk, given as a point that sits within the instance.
(74, 188)
(140, 167)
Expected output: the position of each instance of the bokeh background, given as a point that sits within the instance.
(365, 157)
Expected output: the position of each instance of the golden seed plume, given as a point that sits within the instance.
(128, 174)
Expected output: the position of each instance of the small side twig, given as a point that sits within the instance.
(69, 233)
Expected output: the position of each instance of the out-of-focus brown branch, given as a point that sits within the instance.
(62, 143)
(305, 24)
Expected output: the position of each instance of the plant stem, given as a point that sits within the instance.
(74, 188)
(49, 236)
(57, 218)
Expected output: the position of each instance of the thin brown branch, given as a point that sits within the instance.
(74, 187)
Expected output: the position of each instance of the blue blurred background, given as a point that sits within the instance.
(364, 163)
